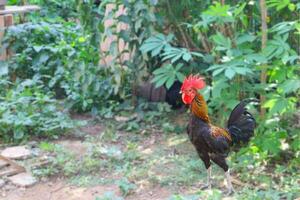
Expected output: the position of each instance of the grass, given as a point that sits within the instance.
(166, 159)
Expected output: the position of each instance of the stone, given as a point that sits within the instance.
(9, 187)
(3, 164)
(121, 119)
(126, 119)
(32, 144)
(18, 152)
(23, 180)
(2, 183)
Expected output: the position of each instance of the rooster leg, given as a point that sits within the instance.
(205, 158)
(209, 177)
(229, 184)
(220, 160)
(208, 183)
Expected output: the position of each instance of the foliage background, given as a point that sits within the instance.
(56, 66)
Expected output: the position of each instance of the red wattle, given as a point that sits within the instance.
(186, 99)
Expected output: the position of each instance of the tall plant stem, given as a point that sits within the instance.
(264, 38)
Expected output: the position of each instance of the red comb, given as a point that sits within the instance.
(193, 81)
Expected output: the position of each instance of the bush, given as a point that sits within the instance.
(65, 10)
(59, 55)
(90, 87)
(45, 51)
(25, 109)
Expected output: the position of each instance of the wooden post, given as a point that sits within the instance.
(5, 21)
(9, 21)
(2, 28)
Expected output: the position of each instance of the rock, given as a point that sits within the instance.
(3, 164)
(18, 152)
(44, 179)
(32, 144)
(3, 194)
(2, 183)
(126, 119)
(9, 187)
(121, 118)
(23, 180)
(35, 152)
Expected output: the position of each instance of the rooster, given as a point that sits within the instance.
(211, 142)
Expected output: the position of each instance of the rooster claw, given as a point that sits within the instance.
(206, 186)
(229, 192)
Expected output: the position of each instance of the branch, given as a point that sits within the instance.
(204, 43)
(178, 27)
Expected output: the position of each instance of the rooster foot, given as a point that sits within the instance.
(229, 192)
(208, 183)
(206, 186)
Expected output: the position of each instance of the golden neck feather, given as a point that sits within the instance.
(199, 108)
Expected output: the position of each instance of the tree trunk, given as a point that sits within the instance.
(264, 38)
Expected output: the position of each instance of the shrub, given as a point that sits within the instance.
(59, 55)
(25, 109)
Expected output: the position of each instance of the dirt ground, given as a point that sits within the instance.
(159, 164)
(58, 188)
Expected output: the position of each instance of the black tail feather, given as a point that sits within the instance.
(241, 123)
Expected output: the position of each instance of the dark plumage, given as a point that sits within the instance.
(241, 124)
(97, 2)
(213, 143)
(173, 97)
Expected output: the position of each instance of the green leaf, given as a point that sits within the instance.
(197, 54)
(180, 76)
(186, 57)
(178, 66)
(162, 69)
(218, 71)
(161, 81)
(157, 78)
(176, 57)
(222, 42)
(175, 54)
(242, 70)
(279, 104)
(229, 73)
(37, 48)
(279, 4)
(245, 38)
(43, 58)
(138, 25)
(3, 68)
(284, 27)
(155, 44)
(218, 86)
(271, 143)
(157, 50)
(292, 7)
(124, 18)
(125, 35)
(289, 86)
(239, 9)
(170, 81)
(18, 133)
